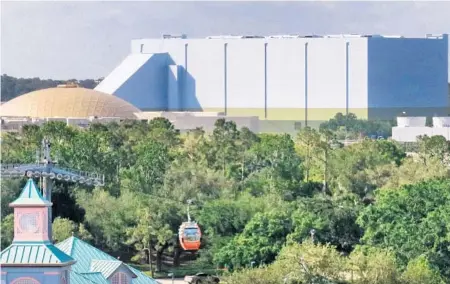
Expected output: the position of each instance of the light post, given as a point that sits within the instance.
(150, 262)
(171, 275)
(312, 232)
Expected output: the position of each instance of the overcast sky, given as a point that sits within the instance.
(63, 40)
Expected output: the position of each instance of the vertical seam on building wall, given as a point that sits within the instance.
(182, 103)
(306, 84)
(225, 87)
(186, 56)
(368, 78)
(265, 80)
(346, 78)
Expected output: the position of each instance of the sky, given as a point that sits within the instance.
(65, 40)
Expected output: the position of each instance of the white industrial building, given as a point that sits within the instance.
(286, 81)
(409, 128)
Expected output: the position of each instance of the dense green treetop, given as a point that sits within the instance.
(258, 198)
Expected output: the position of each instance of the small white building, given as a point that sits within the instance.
(409, 128)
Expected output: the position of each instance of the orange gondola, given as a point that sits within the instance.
(190, 234)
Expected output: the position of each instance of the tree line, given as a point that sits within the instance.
(272, 207)
(13, 87)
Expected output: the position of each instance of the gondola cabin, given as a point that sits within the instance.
(190, 236)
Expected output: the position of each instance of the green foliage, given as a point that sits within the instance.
(411, 171)
(333, 220)
(257, 198)
(107, 216)
(225, 217)
(262, 238)
(350, 127)
(351, 166)
(434, 147)
(152, 161)
(10, 190)
(7, 230)
(62, 229)
(419, 271)
(13, 87)
(373, 266)
(414, 220)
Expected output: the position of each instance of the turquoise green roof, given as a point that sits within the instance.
(85, 255)
(34, 253)
(30, 196)
(79, 278)
(105, 267)
(96, 277)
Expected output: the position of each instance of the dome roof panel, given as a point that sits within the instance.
(68, 102)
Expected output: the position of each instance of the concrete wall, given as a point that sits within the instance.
(409, 134)
(295, 80)
(267, 77)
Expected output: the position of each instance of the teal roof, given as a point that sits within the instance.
(96, 277)
(105, 267)
(33, 253)
(30, 196)
(85, 255)
(79, 278)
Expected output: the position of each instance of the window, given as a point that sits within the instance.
(25, 280)
(191, 235)
(29, 222)
(119, 278)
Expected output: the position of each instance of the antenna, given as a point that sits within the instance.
(46, 169)
(189, 202)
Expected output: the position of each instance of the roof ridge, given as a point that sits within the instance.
(72, 244)
(19, 253)
(108, 260)
(84, 277)
(30, 195)
(95, 248)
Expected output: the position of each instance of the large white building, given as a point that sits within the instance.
(286, 81)
(409, 128)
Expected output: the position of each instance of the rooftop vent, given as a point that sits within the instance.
(342, 36)
(311, 36)
(284, 36)
(393, 36)
(436, 36)
(68, 85)
(167, 36)
(233, 37)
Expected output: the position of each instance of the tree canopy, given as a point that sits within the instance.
(270, 206)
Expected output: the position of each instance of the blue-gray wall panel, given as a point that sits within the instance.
(147, 88)
(407, 73)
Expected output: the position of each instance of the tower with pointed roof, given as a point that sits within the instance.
(32, 258)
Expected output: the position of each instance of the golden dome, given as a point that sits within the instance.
(68, 101)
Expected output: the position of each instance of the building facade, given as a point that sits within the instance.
(298, 80)
(32, 258)
(408, 129)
